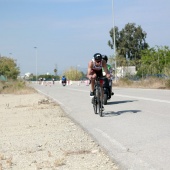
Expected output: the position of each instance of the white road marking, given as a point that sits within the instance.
(134, 97)
(113, 141)
(144, 98)
(136, 161)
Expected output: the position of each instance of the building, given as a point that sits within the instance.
(126, 70)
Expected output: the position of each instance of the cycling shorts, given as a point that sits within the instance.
(99, 73)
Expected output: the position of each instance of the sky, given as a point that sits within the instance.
(67, 33)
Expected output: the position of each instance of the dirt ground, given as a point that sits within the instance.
(36, 134)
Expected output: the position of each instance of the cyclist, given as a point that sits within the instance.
(104, 57)
(95, 69)
(110, 70)
(64, 79)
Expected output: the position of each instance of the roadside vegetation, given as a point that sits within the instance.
(9, 82)
(151, 82)
(152, 64)
(74, 74)
(15, 87)
(133, 50)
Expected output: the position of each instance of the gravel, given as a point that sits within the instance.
(36, 134)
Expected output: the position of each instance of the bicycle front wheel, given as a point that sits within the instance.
(98, 99)
(100, 108)
(100, 103)
(95, 105)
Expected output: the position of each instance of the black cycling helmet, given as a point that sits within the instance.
(97, 56)
(105, 57)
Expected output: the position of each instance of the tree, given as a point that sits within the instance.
(55, 71)
(130, 41)
(73, 74)
(155, 61)
(8, 68)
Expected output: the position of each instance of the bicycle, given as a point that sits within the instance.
(97, 99)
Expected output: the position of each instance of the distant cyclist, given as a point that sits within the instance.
(63, 79)
(95, 69)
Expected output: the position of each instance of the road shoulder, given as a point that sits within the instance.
(36, 134)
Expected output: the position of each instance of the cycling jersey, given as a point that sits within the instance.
(109, 69)
(63, 79)
(95, 67)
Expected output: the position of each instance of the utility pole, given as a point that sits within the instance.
(36, 63)
(114, 41)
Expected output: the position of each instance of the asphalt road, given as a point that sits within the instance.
(135, 129)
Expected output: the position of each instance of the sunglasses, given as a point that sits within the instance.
(97, 61)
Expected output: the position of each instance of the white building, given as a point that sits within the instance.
(126, 70)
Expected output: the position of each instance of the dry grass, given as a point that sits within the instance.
(15, 87)
(59, 162)
(153, 83)
(51, 165)
(78, 152)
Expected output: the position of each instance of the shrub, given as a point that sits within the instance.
(15, 87)
(124, 82)
(167, 84)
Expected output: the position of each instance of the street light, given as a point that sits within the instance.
(114, 40)
(36, 63)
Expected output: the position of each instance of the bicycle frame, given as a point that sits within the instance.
(97, 100)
